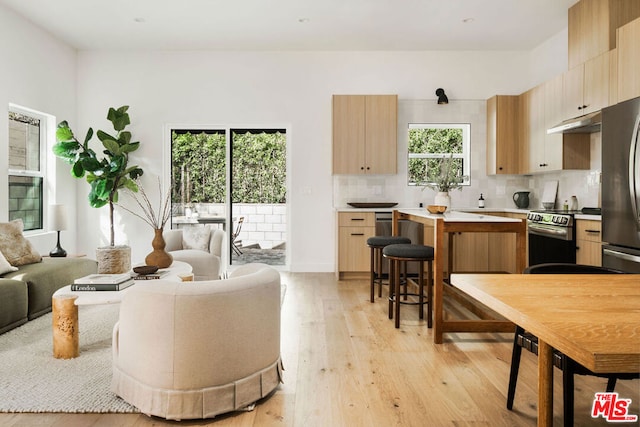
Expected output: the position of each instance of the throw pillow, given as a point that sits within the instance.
(15, 248)
(196, 238)
(5, 267)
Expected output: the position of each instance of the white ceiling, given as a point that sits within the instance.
(276, 24)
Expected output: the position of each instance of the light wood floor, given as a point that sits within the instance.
(346, 365)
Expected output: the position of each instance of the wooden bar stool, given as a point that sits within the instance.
(401, 254)
(377, 243)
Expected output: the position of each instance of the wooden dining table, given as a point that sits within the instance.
(593, 319)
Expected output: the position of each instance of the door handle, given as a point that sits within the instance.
(621, 255)
(634, 178)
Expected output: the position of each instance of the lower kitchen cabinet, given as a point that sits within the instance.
(354, 256)
(470, 252)
(588, 242)
(486, 251)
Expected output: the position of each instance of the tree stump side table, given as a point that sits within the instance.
(66, 339)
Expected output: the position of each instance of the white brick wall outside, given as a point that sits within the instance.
(264, 224)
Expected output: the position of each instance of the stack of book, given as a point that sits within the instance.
(157, 275)
(103, 282)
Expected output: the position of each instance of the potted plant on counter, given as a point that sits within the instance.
(443, 178)
(106, 174)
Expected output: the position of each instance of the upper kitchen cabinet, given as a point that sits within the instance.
(532, 130)
(586, 86)
(593, 24)
(628, 61)
(542, 152)
(365, 129)
(503, 143)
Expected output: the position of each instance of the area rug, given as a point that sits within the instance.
(31, 380)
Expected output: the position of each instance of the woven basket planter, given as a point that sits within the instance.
(113, 259)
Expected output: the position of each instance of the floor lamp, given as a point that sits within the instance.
(57, 222)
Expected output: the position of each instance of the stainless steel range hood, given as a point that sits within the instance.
(588, 123)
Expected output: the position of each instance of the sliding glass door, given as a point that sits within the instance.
(234, 179)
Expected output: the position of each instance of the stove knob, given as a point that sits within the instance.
(565, 221)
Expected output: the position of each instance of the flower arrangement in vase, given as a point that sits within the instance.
(443, 179)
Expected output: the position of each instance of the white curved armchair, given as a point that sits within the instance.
(206, 265)
(199, 349)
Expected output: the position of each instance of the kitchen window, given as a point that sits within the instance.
(430, 143)
(27, 132)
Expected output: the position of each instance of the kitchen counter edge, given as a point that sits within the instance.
(463, 209)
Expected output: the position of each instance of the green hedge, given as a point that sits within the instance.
(199, 167)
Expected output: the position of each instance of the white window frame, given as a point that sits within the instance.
(466, 148)
(42, 173)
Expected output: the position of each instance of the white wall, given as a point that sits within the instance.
(38, 72)
(549, 59)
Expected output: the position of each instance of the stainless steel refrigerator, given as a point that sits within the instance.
(620, 191)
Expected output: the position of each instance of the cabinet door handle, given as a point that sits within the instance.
(592, 231)
(357, 219)
(357, 234)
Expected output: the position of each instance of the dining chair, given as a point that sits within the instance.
(568, 366)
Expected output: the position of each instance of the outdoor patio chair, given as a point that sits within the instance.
(235, 242)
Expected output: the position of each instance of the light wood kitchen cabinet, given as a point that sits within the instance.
(586, 86)
(354, 228)
(628, 61)
(613, 76)
(588, 242)
(550, 156)
(539, 110)
(503, 142)
(365, 129)
(533, 129)
(592, 27)
(486, 251)
(502, 246)
(470, 252)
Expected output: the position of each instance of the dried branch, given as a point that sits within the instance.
(156, 219)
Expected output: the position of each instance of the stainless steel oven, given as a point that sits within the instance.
(552, 237)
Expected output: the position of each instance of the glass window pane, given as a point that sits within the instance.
(25, 200)
(430, 144)
(24, 142)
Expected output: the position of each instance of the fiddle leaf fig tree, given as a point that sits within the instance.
(106, 174)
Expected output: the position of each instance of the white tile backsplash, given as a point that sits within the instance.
(497, 190)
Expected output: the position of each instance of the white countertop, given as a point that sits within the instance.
(457, 216)
(473, 210)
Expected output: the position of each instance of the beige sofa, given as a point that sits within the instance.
(206, 264)
(196, 350)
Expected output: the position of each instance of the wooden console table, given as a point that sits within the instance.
(451, 222)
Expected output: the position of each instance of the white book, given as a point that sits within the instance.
(96, 279)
